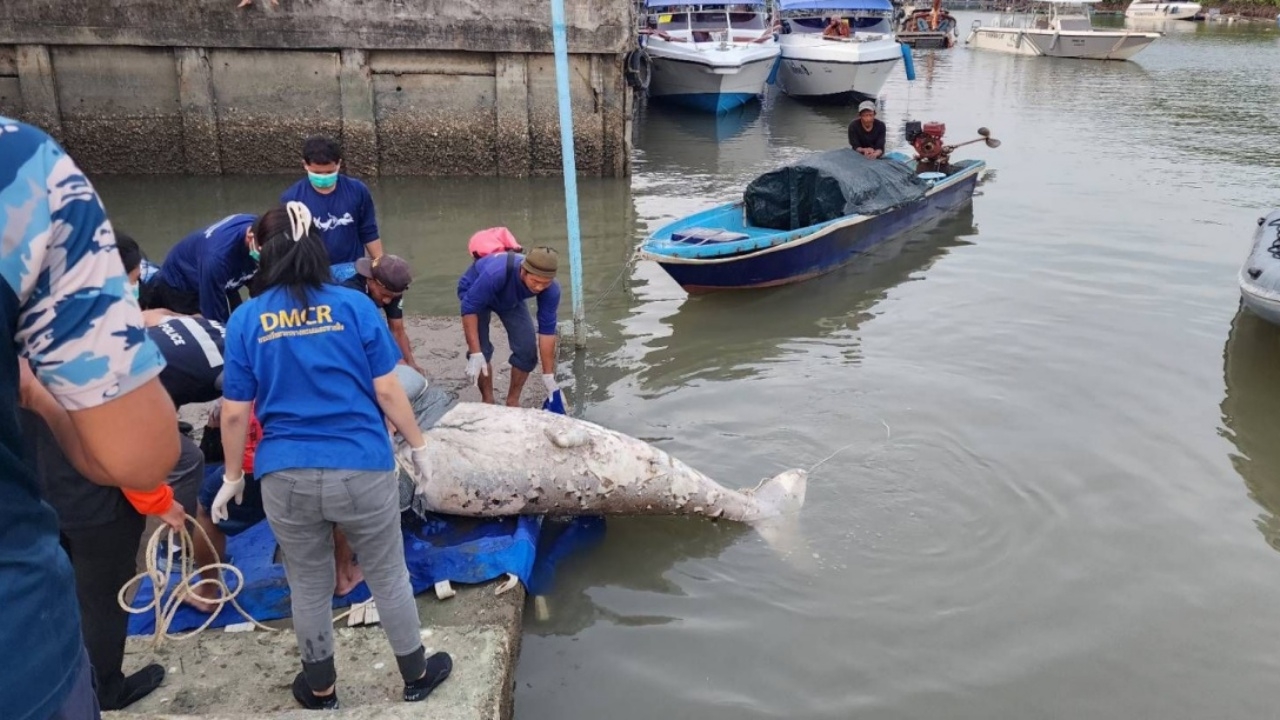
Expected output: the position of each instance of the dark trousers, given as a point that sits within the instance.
(103, 559)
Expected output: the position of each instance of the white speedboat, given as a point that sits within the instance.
(1260, 275)
(711, 56)
(1139, 10)
(824, 62)
(1057, 28)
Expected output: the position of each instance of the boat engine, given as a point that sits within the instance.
(931, 154)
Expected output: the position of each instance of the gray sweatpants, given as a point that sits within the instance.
(302, 507)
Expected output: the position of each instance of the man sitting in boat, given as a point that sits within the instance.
(866, 133)
(836, 28)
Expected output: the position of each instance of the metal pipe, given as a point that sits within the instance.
(570, 167)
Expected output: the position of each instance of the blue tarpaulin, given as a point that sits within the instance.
(462, 550)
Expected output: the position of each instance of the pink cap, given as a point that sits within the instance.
(492, 240)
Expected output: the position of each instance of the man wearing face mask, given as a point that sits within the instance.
(341, 206)
(204, 272)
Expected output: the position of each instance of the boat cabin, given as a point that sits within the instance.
(859, 16)
(1054, 15)
(706, 22)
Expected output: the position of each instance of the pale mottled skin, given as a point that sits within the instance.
(495, 461)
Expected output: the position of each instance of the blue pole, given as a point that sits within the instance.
(570, 166)
(908, 62)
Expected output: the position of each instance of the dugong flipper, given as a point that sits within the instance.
(489, 460)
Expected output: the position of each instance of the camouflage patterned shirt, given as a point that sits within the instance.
(65, 305)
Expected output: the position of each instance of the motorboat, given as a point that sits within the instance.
(1260, 275)
(1139, 10)
(712, 56)
(928, 27)
(836, 50)
(816, 215)
(1057, 28)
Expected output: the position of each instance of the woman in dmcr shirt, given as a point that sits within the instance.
(316, 362)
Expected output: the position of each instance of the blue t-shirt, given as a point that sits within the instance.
(345, 217)
(213, 262)
(310, 371)
(493, 283)
(65, 304)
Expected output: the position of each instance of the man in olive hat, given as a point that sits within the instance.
(501, 283)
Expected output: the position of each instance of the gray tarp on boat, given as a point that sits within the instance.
(828, 185)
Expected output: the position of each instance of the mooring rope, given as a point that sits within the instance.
(180, 542)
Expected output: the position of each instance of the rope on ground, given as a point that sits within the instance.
(180, 542)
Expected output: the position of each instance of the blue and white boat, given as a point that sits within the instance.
(850, 64)
(718, 249)
(712, 56)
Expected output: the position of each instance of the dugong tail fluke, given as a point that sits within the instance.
(492, 461)
(782, 494)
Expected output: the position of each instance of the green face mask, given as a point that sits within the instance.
(323, 181)
(135, 291)
(255, 254)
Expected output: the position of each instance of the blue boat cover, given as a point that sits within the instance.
(785, 5)
(436, 547)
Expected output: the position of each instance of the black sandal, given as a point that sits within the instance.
(438, 668)
(308, 699)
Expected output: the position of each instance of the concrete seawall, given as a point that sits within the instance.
(411, 87)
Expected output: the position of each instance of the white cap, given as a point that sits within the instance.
(866, 105)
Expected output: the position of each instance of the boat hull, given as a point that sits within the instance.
(830, 71)
(1162, 11)
(836, 246)
(716, 88)
(1094, 45)
(1260, 274)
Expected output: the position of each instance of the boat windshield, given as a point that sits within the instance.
(807, 21)
(711, 18)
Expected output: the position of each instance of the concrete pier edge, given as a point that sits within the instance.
(221, 675)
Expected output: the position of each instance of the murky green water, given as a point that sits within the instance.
(1060, 473)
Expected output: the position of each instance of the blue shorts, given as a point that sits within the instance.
(520, 336)
(239, 517)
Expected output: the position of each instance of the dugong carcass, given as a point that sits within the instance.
(489, 460)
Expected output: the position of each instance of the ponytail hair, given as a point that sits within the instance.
(292, 254)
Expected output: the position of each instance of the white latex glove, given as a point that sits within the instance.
(476, 366)
(230, 489)
(421, 463)
(550, 381)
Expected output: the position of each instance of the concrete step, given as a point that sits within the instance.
(247, 675)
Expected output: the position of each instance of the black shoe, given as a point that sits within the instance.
(135, 687)
(438, 668)
(309, 700)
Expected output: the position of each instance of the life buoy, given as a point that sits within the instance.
(639, 69)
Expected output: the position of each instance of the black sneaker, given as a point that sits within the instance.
(135, 687)
(309, 700)
(438, 668)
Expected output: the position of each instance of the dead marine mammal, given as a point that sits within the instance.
(490, 461)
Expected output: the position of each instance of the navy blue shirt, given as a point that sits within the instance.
(65, 304)
(493, 283)
(310, 371)
(192, 349)
(345, 217)
(213, 261)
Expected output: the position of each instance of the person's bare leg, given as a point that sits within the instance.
(349, 573)
(485, 382)
(206, 555)
(517, 386)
